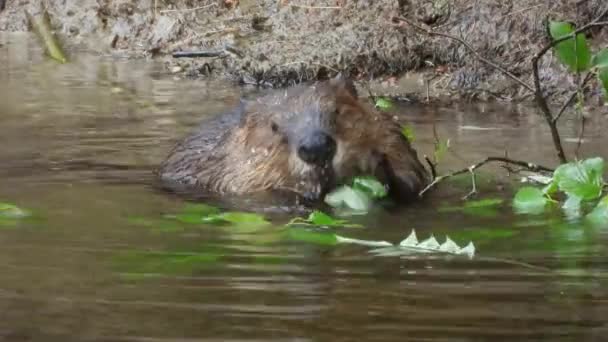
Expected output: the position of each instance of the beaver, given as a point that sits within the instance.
(304, 140)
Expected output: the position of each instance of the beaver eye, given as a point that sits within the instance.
(274, 126)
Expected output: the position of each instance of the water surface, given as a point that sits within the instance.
(97, 262)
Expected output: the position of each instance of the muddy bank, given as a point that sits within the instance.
(278, 43)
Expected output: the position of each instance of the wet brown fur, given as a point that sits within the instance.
(251, 150)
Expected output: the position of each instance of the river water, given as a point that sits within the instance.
(96, 261)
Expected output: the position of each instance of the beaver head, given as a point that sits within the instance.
(305, 139)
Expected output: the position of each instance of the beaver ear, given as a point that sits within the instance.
(343, 82)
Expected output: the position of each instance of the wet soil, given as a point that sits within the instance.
(278, 43)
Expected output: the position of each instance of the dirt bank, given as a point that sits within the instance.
(280, 42)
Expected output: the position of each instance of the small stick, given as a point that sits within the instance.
(184, 54)
(524, 164)
(316, 7)
(567, 104)
(188, 9)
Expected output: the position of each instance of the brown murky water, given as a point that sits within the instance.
(84, 269)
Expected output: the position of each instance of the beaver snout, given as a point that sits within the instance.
(317, 148)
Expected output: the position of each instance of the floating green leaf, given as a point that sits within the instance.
(408, 133)
(529, 200)
(572, 207)
(410, 245)
(574, 54)
(241, 221)
(138, 262)
(371, 186)
(317, 238)
(599, 215)
(345, 196)
(481, 208)
(486, 202)
(581, 179)
(384, 103)
(321, 219)
(195, 213)
(11, 211)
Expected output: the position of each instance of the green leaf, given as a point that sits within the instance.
(599, 215)
(602, 75)
(321, 219)
(572, 207)
(348, 197)
(195, 213)
(600, 60)
(581, 179)
(11, 211)
(237, 218)
(384, 103)
(317, 238)
(371, 186)
(486, 202)
(529, 200)
(574, 54)
(408, 133)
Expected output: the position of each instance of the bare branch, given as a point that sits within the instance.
(524, 164)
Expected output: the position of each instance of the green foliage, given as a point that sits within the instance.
(573, 53)
(12, 212)
(358, 197)
(581, 179)
(314, 237)
(530, 200)
(479, 208)
(576, 55)
(321, 219)
(581, 182)
(371, 186)
(10, 215)
(166, 263)
(383, 103)
(600, 60)
(411, 245)
(599, 215)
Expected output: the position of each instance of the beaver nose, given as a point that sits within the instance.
(317, 148)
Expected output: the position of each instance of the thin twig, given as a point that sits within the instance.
(524, 164)
(188, 9)
(470, 48)
(316, 7)
(581, 133)
(567, 104)
(473, 184)
(538, 92)
(432, 166)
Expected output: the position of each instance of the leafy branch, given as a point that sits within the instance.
(572, 50)
(540, 99)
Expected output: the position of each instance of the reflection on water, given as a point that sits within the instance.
(99, 262)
